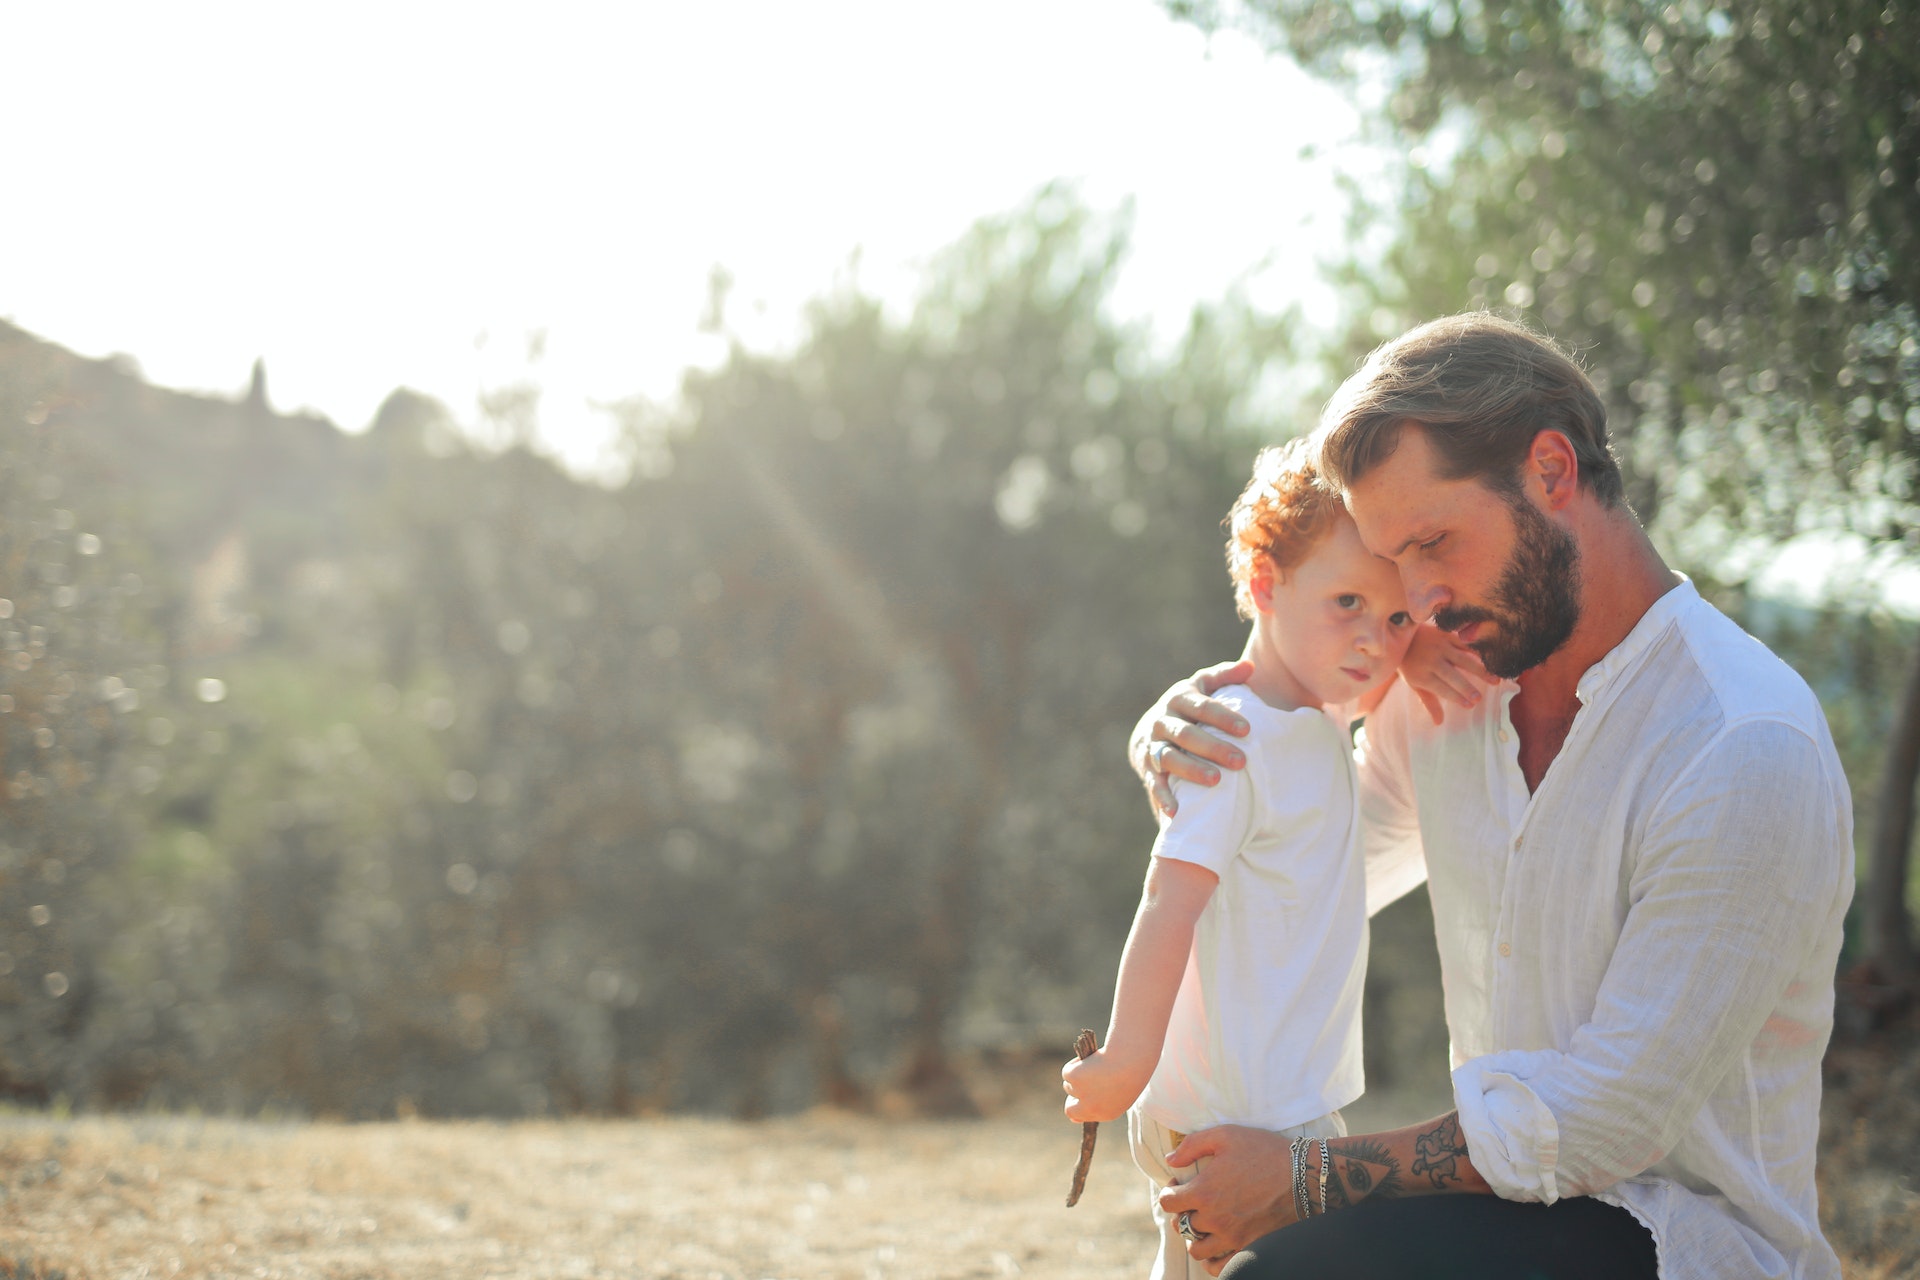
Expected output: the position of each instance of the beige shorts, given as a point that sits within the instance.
(1151, 1141)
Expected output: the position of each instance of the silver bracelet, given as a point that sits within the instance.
(1325, 1165)
(1302, 1207)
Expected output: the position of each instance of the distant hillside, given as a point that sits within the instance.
(196, 467)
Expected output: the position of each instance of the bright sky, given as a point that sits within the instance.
(370, 195)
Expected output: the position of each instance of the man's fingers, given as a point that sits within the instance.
(1222, 674)
(1191, 1148)
(1214, 1265)
(1191, 752)
(1201, 709)
(1207, 1250)
(1160, 791)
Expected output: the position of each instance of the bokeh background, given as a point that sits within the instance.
(764, 749)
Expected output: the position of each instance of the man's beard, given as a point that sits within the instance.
(1536, 603)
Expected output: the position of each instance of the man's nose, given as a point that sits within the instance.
(1424, 598)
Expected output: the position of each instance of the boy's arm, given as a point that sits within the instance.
(1103, 1086)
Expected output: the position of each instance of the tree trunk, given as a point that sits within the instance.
(1889, 934)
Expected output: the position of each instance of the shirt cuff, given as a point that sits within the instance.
(1511, 1135)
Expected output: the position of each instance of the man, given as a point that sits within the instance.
(1639, 853)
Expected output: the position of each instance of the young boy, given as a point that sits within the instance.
(1238, 999)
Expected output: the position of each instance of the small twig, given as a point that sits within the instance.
(1084, 1045)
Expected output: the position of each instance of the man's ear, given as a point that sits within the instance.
(1555, 467)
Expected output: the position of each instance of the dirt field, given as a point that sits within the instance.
(807, 1198)
(818, 1196)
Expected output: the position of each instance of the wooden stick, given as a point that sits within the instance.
(1083, 1045)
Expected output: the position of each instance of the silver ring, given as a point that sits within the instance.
(1158, 755)
(1186, 1226)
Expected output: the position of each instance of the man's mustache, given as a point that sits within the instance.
(1454, 617)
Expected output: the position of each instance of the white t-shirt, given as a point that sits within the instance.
(1266, 1028)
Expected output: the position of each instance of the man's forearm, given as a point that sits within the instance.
(1429, 1158)
(1246, 1188)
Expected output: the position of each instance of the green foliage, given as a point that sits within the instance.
(78, 653)
(1720, 206)
(773, 775)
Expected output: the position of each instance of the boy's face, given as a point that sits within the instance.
(1340, 621)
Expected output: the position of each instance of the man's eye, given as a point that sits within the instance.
(1433, 542)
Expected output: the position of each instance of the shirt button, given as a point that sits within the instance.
(1503, 735)
(1505, 950)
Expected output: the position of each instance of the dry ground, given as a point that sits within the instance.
(816, 1197)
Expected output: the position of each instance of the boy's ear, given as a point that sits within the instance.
(1261, 585)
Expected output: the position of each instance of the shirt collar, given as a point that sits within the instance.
(1663, 614)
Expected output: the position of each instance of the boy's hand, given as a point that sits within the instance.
(1439, 669)
(1101, 1087)
(1171, 742)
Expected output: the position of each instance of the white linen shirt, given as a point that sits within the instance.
(1638, 958)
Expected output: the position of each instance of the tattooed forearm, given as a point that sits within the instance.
(1439, 1152)
(1362, 1167)
(1420, 1159)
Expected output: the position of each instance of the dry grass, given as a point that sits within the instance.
(815, 1196)
(1870, 1152)
(806, 1198)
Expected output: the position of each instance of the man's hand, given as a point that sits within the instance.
(1171, 742)
(1245, 1190)
(1102, 1087)
(1439, 669)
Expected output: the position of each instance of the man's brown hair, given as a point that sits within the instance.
(1482, 388)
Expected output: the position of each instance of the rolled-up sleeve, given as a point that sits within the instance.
(1730, 894)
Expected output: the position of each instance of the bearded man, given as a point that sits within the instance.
(1638, 846)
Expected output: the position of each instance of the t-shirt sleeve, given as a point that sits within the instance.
(1211, 824)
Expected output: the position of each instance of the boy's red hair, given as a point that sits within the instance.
(1281, 515)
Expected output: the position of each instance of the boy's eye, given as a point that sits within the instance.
(1401, 619)
(1347, 600)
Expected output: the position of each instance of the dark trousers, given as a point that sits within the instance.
(1468, 1237)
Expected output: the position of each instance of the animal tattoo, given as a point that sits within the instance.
(1437, 1153)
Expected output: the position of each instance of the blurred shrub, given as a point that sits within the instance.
(421, 778)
